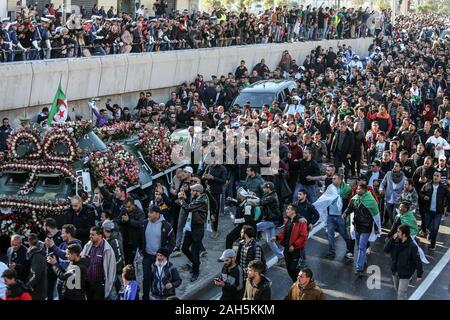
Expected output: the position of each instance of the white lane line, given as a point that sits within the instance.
(423, 287)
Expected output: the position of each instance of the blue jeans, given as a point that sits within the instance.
(362, 239)
(269, 229)
(335, 223)
(147, 262)
(310, 191)
(433, 222)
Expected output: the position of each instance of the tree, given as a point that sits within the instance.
(382, 5)
(358, 3)
(434, 6)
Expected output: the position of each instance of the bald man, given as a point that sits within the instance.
(17, 260)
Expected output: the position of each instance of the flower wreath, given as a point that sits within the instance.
(22, 223)
(115, 167)
(76, 128)
(55, 137)
(116, 131)
(24, 135)
(156, 147)
(38, 205)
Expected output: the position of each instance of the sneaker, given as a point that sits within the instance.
(432, 248)
(349, 256)
(186, 267)
(194, 277)
(176, 253)
(281, 263)
(203, 254)
(330, 255)
(422, 234)
(214, 235)
(359, 273)
(336, 234)
(368, 251)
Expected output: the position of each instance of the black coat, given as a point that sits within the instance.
(405, 258)
(83, 222)
(20, 259)
(219, 172)
(199, 209)
(348, 145)
(5, 132)
(38, 272)
(441, 200)
(75, 269)
(360, 145)
(270, 210)
(362, 218)
(131, 230)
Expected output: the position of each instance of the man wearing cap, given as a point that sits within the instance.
(197, 209)
(164, 276)
(7, 42)
(116, 244)
(41, 41)
(182, 215)
(232, 278)
(157, 234)
(272, 218)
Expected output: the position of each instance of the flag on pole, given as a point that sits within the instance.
(59, 110)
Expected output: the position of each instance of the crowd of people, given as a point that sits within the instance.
(37, 35)
(390, 112)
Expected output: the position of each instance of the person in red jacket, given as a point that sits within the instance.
(383, 118)
(15, 289)
(293, 238)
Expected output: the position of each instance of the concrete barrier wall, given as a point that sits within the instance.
(32, 84)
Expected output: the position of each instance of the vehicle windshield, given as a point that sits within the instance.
(256, 99)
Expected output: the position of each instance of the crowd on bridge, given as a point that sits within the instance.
(390, 111)
(34, 35)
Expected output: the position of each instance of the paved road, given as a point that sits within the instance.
(336, 277)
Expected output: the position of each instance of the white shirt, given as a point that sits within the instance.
(294, 108)
(440, 143)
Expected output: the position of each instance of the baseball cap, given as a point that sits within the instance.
(108, 225)
(188, 169)
(269, 185)
(228, 254)
(442, 157)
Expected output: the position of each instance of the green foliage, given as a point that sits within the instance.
(382, 4)
(434, 6)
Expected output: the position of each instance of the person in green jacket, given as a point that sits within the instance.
(407, 217)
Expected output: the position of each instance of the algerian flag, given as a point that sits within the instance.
(58, 111)
(368, 201)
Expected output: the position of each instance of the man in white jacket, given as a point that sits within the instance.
(440, 144)
(102, 268)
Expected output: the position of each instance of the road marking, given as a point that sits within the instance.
(316, 229)
(423, 287)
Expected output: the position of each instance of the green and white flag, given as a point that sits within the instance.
(59, 110)
(368, 201)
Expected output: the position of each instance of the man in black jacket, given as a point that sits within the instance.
(306, 209)
(232, 278)
(157, 233)
(82, 217)
(363, 223)
(405, 260)
(5, 132)
(272, 218)
(74, 277)
(342, 147)
(195, 226)
(421, 176)
(216, 177)
(130, 220)
(16, 256)
(435, 196)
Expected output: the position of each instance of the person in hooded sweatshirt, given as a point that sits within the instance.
(15, 289)
(257, 286)
(37, 279)
(74, 276)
